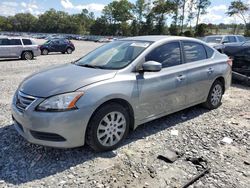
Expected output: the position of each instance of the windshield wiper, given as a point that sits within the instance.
(90, 66)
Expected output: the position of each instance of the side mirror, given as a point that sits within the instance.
(151, 66)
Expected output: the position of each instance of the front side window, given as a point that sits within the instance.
(194, 51)
(114, 55)
(232, 39)
(226, 39)
(4, 42)
(168, 54)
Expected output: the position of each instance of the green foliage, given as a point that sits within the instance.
(201, 30)
(239, 9)
(121, 17)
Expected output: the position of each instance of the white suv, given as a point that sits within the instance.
(23, 48)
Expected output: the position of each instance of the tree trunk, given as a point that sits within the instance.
(183, 15)
(198, 16)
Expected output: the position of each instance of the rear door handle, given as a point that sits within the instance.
(180, 78)
(210, 70)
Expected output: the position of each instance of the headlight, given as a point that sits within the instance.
(60, 102)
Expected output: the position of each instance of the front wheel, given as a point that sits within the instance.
(108, 127)
(214, 96)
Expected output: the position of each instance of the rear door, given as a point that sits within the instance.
(199, 71)
(15, 47)
(162, 92)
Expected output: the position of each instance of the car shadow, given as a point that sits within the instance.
(22, 162)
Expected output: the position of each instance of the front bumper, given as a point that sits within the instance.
(55, 129)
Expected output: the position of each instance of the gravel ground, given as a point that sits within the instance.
(135, 163)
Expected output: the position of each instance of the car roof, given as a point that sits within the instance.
(155, 38)
(8, 37)
(222, 35)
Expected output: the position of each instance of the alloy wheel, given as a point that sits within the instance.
(216, 95)
(111, 128)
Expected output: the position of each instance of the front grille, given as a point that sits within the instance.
(47, 136)
(23, 101)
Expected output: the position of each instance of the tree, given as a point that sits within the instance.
(183, 7)
(201, 6)
(140, 11)
(160, 9)
(201, 30)
(23, 22)
(239, 9)
(191, 14)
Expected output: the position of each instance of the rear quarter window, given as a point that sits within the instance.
(27, 41)
(210, 51)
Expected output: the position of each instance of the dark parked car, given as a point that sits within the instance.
(57, 45)
(240, 53)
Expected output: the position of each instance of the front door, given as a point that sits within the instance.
(162, 92)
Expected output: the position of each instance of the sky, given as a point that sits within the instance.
(216, 12)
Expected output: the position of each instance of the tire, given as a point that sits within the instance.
(102, 131)
(27, 55)
(45, 51)
(69, 50)
(214, 96)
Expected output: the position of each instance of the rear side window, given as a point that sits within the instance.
(241, 38)
(15, 42)
(4, 42)
(194, 51)
(27, 42)
(210, 51)
(168, 54)
(232, 39)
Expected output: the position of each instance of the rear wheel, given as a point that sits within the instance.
(214, 96)
(45, 52)
(108, 127)
(27, 55)
(69, 50)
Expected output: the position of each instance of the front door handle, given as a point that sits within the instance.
(180, 78)
(210, 70)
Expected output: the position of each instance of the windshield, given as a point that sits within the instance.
(114, 55)
(213, 39)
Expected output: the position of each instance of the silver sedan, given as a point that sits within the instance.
(117, 87)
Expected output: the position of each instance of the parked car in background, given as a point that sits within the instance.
(57, 45)
(16, 47)
(100, 97)
(107, 39)
(220, 41)
(240, 53)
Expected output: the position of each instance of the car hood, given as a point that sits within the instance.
(63, 79)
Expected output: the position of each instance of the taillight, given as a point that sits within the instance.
(230, 62)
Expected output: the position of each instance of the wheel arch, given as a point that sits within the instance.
(122, 102)
(27, 51)
(222, 80)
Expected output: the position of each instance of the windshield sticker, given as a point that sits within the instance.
(140, 44)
